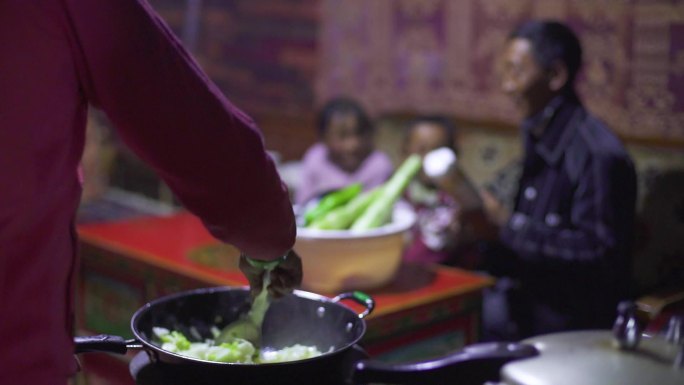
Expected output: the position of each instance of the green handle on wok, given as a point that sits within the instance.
(359, 297)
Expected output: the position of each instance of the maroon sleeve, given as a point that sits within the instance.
(168, 111)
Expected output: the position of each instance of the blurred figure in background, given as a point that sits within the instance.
(345, 152)
(563, 254)
(432, 240)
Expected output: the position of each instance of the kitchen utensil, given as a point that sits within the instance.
(248, 325)
(592, 358)
(301, 318)
(338, 372)
(305, 318)
(342, 260)
(623, 356)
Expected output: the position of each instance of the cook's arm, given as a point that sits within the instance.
(168, 111)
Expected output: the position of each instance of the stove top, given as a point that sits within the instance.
(334, 370)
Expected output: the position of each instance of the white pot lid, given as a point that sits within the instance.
(591, 358)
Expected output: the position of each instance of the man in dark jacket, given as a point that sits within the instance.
(562, 254)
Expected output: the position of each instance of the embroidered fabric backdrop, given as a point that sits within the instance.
(439, 56)
(262, 54)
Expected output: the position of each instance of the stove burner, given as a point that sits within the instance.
(337, 372)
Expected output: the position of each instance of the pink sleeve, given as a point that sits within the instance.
(167, 110)
(311, 162)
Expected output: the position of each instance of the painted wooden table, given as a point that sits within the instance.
(425, 311)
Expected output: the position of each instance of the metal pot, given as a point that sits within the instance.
(624, 355)
(303, 318)
(594, 358)
(329, 372)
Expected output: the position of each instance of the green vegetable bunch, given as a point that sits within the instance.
(358, 210)
(330, 201)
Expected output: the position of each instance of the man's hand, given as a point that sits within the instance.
(285, 277)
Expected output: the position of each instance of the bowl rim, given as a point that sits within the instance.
(403, 218)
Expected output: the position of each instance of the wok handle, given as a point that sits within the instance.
(104, 343)
(359, 297)
(474, 364)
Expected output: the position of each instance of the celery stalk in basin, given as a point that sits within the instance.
(332, 200)
(380, 210)
(342, 217)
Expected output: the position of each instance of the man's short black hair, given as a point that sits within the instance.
(343, 105)
(552, 41)
(440, 120)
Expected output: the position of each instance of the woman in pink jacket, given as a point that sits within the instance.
(59, 56)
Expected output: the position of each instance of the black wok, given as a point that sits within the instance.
(302, 318)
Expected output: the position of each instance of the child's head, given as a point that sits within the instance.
(347, 131)
(427, 133)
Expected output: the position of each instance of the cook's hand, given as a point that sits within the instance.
(285, 277)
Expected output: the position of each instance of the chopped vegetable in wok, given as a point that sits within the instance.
(236, 350)
(174, 340)
(290, 353)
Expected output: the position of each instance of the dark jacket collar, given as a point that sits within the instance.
(557, 123)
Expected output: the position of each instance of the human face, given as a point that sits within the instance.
(347, 145)
(523, 79)
(425, 137)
